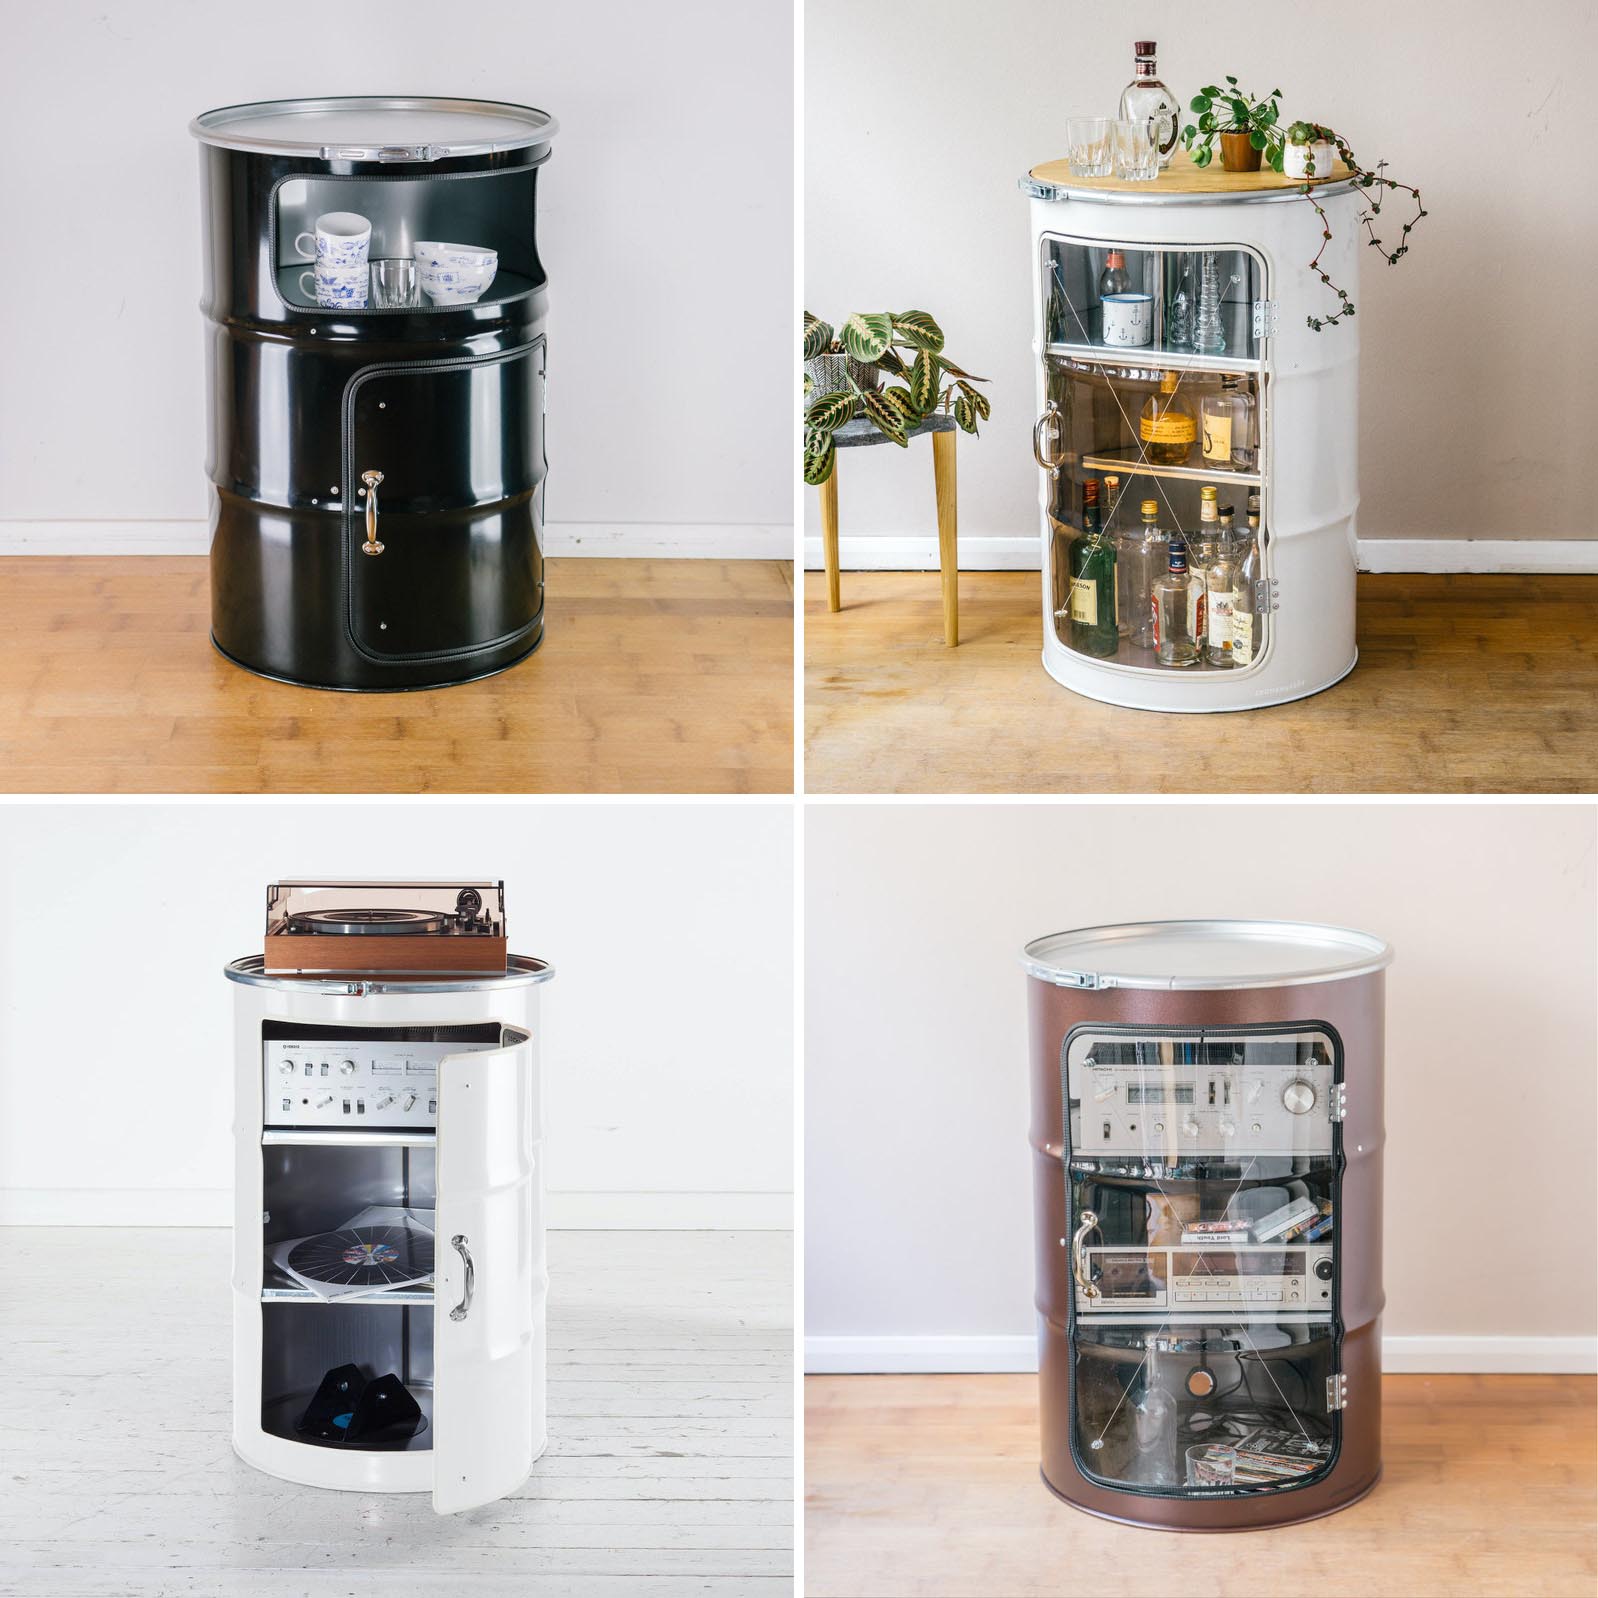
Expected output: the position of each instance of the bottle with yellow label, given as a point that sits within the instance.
(1167, 428)
(1229, 438)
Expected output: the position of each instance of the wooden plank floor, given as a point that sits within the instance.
(1465, 684)
(655, 676)
(929, 1485)
(669, 1470)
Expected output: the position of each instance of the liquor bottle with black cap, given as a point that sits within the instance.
(1146, 99)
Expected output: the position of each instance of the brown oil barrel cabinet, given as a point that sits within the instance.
(1207, 1141)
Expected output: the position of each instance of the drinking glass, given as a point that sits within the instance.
(1087, 147)
(394, 282)
(1137, 153)
(1211, 1465)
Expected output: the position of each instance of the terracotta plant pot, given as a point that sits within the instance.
(1237, 154)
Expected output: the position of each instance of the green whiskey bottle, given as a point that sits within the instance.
(1093, 617)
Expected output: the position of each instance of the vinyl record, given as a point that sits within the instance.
(365, 1256)
(368, 923)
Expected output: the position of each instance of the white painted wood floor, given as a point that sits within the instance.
(670, 1467)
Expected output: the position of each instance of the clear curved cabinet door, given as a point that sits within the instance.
(488, 1405)
(1203, 1179)
(1155, 383)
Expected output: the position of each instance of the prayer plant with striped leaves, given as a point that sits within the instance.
(907, 345)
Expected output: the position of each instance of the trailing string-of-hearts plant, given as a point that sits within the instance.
(1229, 110)
(843, 372)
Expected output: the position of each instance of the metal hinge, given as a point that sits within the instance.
(1337, 1391)
(1266, 595)
(1337, 1104)
(1265, 319)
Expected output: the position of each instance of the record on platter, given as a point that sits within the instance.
(368, 923)
(365, 1257)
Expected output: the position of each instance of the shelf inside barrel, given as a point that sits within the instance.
(506, 287)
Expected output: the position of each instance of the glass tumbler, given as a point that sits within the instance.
(394, 282)
(1211, 1465)
(1088, 149)
(1137, 154)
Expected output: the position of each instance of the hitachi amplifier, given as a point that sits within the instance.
(1175, 1099)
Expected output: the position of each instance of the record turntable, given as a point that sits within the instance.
(421, 929)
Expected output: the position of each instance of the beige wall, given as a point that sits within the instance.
(1479, 391)
(918, 1209)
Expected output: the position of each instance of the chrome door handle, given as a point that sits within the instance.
(458, 1243)
(1050, 419)
(372, 546)
(1079, 1266)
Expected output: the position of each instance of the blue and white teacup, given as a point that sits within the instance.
(1128, 319)
(337, 287)
(342, 238)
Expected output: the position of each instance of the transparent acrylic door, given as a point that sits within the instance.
(1156, 389)
(1203, 1178)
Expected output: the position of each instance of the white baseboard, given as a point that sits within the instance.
(570, 1212)
(1005, 554)
(620, 540)
(936, 1355)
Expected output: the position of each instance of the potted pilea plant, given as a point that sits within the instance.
(1244, 127)
(1308, 150)
(845, 369)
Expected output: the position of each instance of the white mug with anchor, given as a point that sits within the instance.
(1128, 319)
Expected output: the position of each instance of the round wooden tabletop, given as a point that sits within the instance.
(1182, 177)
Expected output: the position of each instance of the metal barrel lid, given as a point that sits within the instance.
(522, 971)
(1200, 955)
(374, 127)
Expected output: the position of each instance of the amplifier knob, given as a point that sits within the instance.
(287, 1068)
(1298, 1097)
(1227, 1128)
(347, 1068)
(1191, 1127)
(1200, 1382)
(1323, 1269)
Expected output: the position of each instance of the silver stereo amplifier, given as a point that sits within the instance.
(1173, 1101)
(373, 1084)
(1202, 1280)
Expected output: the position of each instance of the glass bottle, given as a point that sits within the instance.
(1146, 99)
(1166, 426)
(1221, 578)
(1179, 315)
(1093, 597)
(1229, 437)
(1114, 279)
(1178, 610)
(1149, 552)
(1209, 335)
(1247, 624)
(1202, 544)
(1124, 547)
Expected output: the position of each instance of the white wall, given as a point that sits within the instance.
(665, 222)
(918, 1183)
(668, 1029)
(1472, 422)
